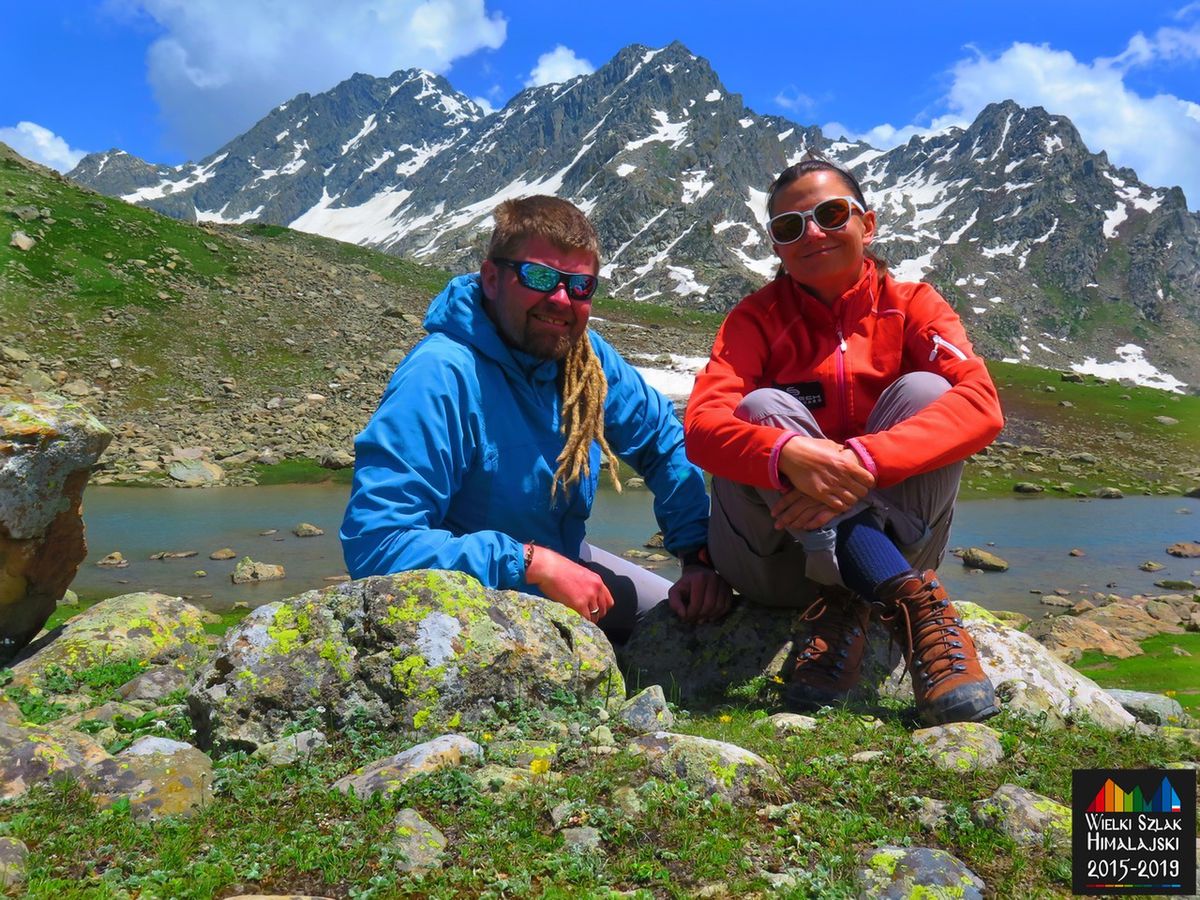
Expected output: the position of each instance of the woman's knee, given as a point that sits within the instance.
(774, 406)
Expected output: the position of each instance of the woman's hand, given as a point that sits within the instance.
(795, 511)
(569, 583)
(825, 471)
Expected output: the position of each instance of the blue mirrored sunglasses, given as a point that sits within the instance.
(545, 279)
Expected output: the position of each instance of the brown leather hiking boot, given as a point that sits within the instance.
(948, 683)
(829, 663)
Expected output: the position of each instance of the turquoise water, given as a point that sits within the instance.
(1034, 535)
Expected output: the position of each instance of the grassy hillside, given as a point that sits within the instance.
(259, 342)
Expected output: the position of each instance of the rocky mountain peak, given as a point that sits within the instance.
(1050, 253)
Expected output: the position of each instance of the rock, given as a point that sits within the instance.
(248, 571)
(1153, 709)
(787, 723)
(145, 627)
(22, 241)
(419, 844)
(223, 553)
(713, 767)
(647, 711)
(160, 777)
(867, 756)
(40, 755)
(13, 863)
(704, 661)
(522, 754)
(1030, 819)
(1108, 493)
(1175, 584)
(1131, 622)
(505, 780)
(1185, 549)
(1081, 607)
(105, 712)
(304, 529)
(1010, 655)
(1166, 420)
(287, 750)
(423, 649)
(932, 814)
(1151, 566)
(195, 472)
(174, 554)
(976, 558)
(114, 560)
(335, 459)
(584, 839)
(156, 683)
(900, 873)
(1027, 487)
(961, 746)
(1076, 552)
(1068, 637)
(388, 774)
(47, 448)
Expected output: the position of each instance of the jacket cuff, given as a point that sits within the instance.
(863, 455)
(777, 480)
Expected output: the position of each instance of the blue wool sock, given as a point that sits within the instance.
(866, 556)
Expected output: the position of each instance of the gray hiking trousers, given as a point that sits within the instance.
(787, 568)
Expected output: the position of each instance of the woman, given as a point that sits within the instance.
(835, 414)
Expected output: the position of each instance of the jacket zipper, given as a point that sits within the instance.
(843, 400)
(940, 342)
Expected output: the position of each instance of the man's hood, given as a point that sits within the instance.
(458, 313)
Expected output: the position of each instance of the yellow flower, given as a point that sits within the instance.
(777, 679)
(539, 766)
(1169, 693)
(726, 719)
(486, 736)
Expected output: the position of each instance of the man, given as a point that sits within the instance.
(484, 454)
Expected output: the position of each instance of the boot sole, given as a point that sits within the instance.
(969, 703)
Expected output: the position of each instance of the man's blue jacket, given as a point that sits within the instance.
(454, 469)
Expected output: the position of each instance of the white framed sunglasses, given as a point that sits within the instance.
(831, 214)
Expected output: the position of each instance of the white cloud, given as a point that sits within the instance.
(791, 99)
(1158, 136)
(220, 66)
(41, 145)
(485, 104)
(559, 65)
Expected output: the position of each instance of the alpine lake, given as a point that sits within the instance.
(1034, 535)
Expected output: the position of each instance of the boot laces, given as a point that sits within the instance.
(932, 648)
(835, 629)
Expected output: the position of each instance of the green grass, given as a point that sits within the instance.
(300, 471)
(281, 830)
(1157, 667)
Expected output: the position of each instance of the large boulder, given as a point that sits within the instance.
(701, 663)
(47, 447)
(424, 650)
(147, 627)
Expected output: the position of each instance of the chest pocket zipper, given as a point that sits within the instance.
(940, 342)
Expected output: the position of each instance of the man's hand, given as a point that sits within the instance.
(826, 471)
(795, 511)
(700, 596)
(569, 583)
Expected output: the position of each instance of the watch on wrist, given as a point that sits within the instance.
(697, 556)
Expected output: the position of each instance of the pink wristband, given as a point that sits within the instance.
(777, 480)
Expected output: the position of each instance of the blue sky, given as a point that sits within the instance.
(172, 80)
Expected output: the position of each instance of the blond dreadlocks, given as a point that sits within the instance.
(583, 384)
(584, 389)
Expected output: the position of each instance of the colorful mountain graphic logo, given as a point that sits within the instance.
(1114, 799)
